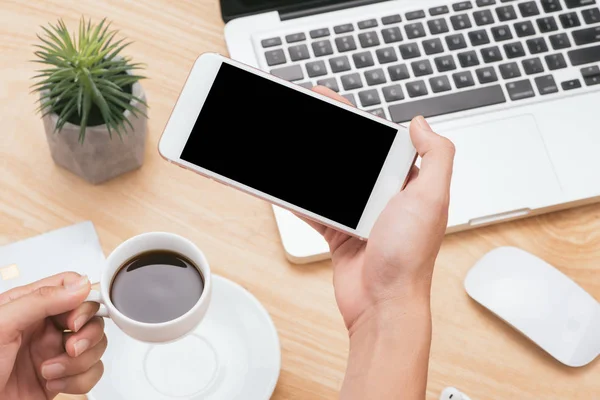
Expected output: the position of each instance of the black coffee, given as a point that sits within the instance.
(156, 286)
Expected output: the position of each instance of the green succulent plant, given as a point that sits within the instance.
(87, 82)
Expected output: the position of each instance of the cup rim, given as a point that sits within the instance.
(104, 288)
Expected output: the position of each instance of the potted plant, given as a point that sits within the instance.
(92, 104)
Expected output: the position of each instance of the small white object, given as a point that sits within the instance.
(234, 354)
(539, 301)
(452, 393)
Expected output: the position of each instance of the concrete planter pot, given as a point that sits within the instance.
(99, 158)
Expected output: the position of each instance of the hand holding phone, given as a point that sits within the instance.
(320, 158)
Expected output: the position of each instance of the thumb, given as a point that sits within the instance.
(43, 302)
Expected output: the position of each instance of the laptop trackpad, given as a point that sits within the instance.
(501, 166)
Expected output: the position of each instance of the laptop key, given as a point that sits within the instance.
(391, 19)
(456, 42)
(275, 57)
(587, 36)
(485, 3)
(322, 48)
(291, 73)
(510, 70)
(518, 90)
(370, 23)
(439, 84)
(416, 89)
(448, 103)
(362, 60)
(306, 85)
(386, 55)
(551, 5)
(584, 56)
(391, 35)
(409, 50)
(270, 42)
(491, 54)
(462, 6)
(591, 16)
(572, 84)
(393, 93)
(299, 52)
(479, 37)
(524, 28)
(569, 20)
(351, 81)
(460, 21)
(547, 24)
(486, 75)
(368, 39)
(591, 75)
(445, 63)
(556, 61)
(415, 15)
(506, 13)
(514, 50)
(483, 17)
(330, 83)
(559, 41)
(529, 9)
(345, 28)
(438, 10)
(546, 84)
(350, 98)
(433, 46)
(339, 64)
(369, 97)
(319, 33)
(537, 45)
(579, 3)
(295, 37)
(468, 59)
(378, 112)
(375, 77)
(463, 79)
(532, 66)
(422, 67)
(501, 33)
(437, 26)
(345, 43)
(316, 68)
(398, 72)
(414, 30)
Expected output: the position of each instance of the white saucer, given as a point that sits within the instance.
(233, 354)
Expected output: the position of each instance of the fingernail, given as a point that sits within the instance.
(56, 386)
(77, 285)
(53, 371)
(423, 123)
(79, 322)
(81, 346)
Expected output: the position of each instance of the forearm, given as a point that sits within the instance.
(389, 353)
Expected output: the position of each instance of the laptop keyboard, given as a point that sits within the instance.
(446, 59)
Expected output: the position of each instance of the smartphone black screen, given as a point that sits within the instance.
(289, 145)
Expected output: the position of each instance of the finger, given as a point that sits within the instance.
(64, 365)
(77, 384)
(75, 319)
(43, 302)
(55, 280)
(412, 175)
(325, 91)
(437, 156)
(89, 336)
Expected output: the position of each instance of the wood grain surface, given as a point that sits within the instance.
(471, 349)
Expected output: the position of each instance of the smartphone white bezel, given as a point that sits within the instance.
(392, 177)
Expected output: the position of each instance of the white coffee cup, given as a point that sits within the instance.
(153, 332)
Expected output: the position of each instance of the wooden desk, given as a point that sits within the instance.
(471, 349)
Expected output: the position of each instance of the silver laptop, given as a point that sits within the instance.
(514, 84)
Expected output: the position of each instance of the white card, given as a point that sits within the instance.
(72, 248)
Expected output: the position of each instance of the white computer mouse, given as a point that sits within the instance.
(539, 301)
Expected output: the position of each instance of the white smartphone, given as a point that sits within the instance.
(315, 156)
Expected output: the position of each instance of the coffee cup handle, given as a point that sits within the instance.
(96, 297)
